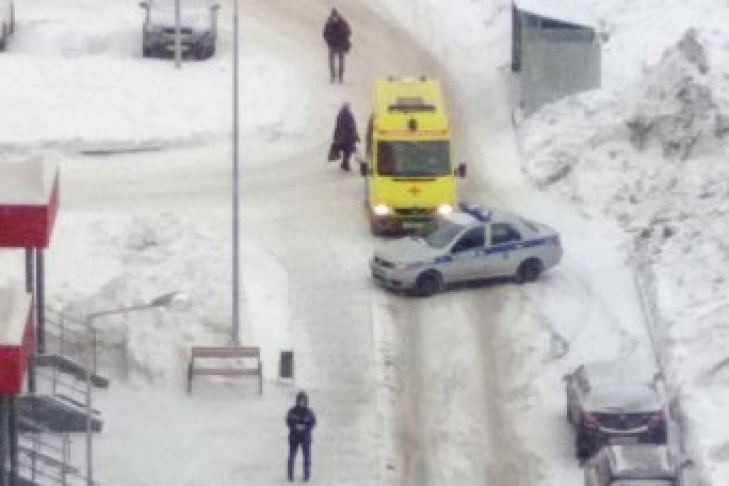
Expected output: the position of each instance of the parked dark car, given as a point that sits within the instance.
(198, 28)
(612, 402)
(7, 22)
(633, 465)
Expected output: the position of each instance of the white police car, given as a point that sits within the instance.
(473, 244)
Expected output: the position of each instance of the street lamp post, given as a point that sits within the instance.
(235, 334)
(166, 300)
(178, 35)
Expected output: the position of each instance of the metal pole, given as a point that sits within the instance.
(40, 327)
(30, 287)
(178, 35)
(236, 187)
(89, 408)
(13, 440)
(3, 442)
(162, 301)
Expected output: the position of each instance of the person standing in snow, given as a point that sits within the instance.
(301, 421)
(336, 33)
(345, 135)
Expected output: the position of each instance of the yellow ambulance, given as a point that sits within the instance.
(409, 169)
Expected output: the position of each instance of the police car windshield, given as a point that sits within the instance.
(440, 233)
(413, 159)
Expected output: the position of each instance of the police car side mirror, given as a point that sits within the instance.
(460, 170)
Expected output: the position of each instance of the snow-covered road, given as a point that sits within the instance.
(463, 388)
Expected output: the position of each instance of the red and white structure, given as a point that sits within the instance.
(16, 339)
(29, 193)
(29, 197)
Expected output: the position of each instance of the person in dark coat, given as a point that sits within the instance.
(345, 135)
(301, 421)
(336, 34)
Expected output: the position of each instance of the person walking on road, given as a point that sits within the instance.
(301, 421)
(336, 34)
(345, 135)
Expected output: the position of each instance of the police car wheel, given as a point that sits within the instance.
(529, 270)
(428, 283)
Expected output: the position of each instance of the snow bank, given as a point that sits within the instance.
(152, 344)
(654, 158)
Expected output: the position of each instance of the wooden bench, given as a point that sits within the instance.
(243, 355)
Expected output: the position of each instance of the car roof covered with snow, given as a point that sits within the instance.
(621, 386)
(640, 461)
(623, 398)
(614, 372)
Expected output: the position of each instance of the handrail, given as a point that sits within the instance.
(72, 332)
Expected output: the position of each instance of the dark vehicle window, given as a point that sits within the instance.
(503, 233)
(469, 241)
(413, 159)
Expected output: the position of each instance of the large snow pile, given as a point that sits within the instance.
(653, 157)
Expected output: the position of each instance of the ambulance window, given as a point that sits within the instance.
(401, 158)
(385, 159)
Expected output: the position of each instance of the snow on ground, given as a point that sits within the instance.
(134, 226)
(71, 72)
(584, 144)
(652, 157)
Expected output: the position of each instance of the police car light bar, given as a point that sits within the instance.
(477, 212)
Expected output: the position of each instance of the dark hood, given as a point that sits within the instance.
(302, 400)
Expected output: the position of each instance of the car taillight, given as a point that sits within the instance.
(590, 420)
(658, 418)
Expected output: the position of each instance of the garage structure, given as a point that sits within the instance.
(556, 51)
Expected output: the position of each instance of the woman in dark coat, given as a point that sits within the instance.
(345, 135)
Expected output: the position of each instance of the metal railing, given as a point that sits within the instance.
(45, 458)
(59, 384)
(45, 454)
(69, 336)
